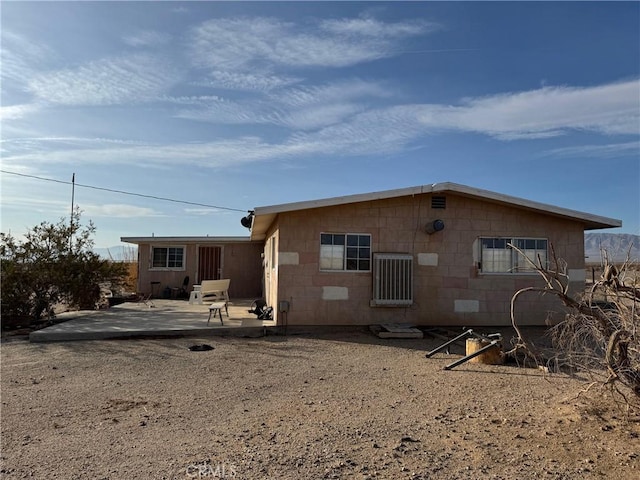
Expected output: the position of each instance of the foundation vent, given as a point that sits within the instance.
(392, 279)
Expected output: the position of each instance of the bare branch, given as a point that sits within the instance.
(602, 330)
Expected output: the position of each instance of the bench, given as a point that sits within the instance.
(215, 290)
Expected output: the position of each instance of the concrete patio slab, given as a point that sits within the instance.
(156, 318)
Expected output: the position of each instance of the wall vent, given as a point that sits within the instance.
(392, 279)
(438, 202)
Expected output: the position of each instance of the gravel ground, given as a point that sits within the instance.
(298, 407)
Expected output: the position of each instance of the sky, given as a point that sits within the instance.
(231, 106)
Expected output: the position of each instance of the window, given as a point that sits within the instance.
(167, 257)
(497, 256)
(345, 251)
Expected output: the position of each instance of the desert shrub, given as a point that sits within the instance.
(53, 264)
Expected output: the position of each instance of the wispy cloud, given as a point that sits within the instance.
(180, 10)
(297, 108)
(249, 44)
(316, 107)
(346, 90)
(222, 111)
(147, 38)
(71, 140)
(550, 111)
(14, 112)
(191, 100)
(599, 151)
(370, 27)
(46, 205)
(610, 109)
(111, 81)
(317, 116)
(57, 207)
(246, 81)
(204, 211)
(38, 205)
(374, 132)
(321, 124)
(22, 57)
(209, 154)
(20, 145)
(118, 210)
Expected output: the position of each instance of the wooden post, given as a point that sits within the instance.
(493, 356)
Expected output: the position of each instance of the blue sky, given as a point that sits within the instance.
(246, 104)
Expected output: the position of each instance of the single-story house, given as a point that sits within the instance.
(429, 255)
(165, 262)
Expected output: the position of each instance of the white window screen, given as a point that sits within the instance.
(497, 255)
(332, 257)
(392, 279)
(534, 249)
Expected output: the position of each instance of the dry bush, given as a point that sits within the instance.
(601, 333)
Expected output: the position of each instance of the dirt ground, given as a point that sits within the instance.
(346, 405)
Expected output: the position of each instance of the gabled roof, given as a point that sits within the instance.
(264, 216)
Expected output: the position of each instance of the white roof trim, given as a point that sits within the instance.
(183, 240)
(269, 213)
(329, 202)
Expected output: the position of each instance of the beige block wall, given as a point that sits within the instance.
(241, 262)
(167, 278)
(447, 286)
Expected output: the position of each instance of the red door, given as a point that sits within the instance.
(209, 267)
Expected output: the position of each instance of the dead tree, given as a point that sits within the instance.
(601, 332)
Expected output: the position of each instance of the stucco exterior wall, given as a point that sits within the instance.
(240, 262)
(448, 288)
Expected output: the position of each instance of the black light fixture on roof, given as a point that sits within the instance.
(247, 220)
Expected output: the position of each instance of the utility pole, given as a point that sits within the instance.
(73, 191)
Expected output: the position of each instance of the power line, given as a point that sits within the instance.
(122, 192)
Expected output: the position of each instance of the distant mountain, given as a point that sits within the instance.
(118, 253)
(617, 246)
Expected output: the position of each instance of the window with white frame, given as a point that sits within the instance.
(167, 257)
(498, 256)
(345, 252)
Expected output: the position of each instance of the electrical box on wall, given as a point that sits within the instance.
(283, 306)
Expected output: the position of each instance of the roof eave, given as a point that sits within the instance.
(264, 216)
(591, 221)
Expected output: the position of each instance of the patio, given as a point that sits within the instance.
(157, 317)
